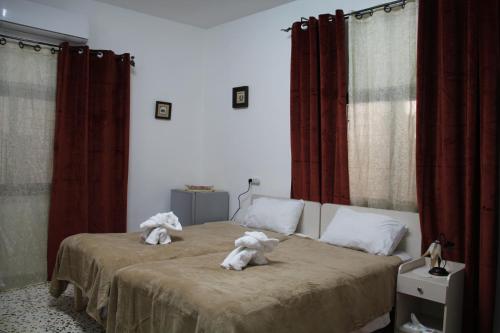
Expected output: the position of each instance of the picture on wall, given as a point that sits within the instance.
(163, 110)
(240, 97)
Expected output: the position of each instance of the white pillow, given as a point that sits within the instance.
(278, 215)
(373, 233)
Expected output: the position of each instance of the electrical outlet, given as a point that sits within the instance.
(255, 181)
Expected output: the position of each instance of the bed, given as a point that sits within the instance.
(89, 261)
(309, 286)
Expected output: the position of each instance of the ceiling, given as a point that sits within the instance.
(200, 13)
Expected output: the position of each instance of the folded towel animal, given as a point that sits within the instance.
(158, 235)
(155, 229)
(250, 248)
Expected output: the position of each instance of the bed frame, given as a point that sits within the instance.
(316, 217)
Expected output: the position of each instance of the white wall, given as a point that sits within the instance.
(206, 141)
(238, 144)
(163, 154)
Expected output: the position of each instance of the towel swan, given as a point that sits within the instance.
(155, 229)
(250, 249)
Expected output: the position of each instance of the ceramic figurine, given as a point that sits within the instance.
(434, 251)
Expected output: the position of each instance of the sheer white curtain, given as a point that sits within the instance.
(381, 109)
(27, 114)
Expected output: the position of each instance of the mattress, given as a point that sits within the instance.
(308, 286)
(89, 261)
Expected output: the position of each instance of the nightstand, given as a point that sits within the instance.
(436, 301)
(193, 207)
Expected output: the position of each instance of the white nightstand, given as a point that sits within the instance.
(436, 301)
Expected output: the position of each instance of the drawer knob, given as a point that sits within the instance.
(420, 291)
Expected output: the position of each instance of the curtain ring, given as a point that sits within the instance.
(403, 4)
(371, 12)
(53, 50)
(304, 23)
(3, 41)
(387, 8)
(80, 51)
(358, 15)
(21, 44)
(37, 48)
(99, 54)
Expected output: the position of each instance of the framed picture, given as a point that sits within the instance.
(240, 97)
(163, 110)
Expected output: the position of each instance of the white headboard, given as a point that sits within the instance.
(309, 223)
(316, 217)
(409, 244)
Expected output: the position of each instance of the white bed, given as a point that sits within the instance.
(316, 217)
(313, 220)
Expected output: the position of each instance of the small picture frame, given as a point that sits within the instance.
(163, 110)
(240, 97)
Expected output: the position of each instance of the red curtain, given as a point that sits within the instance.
(90, 172)
(458, 89)
(318, 116)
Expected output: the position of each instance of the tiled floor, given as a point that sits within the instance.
(32, 310)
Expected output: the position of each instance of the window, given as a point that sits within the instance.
(382, 109)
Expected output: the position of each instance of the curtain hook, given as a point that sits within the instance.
(21, 44)
(304, 23)
(37, 48)
(387, 8)
(3, 41)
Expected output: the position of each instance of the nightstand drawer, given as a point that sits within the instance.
(421, 288)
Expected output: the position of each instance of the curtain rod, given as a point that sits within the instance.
(359, 14)
(22, 42)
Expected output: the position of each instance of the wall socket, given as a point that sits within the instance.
(254, 181)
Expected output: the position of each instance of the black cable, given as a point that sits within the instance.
(239, 196)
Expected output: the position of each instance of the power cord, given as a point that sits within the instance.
(239, 196)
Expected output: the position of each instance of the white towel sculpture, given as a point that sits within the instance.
(155, 229)
(250, 248)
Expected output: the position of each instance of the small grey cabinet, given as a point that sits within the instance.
(199, 207)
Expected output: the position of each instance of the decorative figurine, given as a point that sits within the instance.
(434, 251)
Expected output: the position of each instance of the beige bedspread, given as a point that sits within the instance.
(308, 287)
(89, 261)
